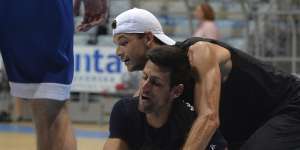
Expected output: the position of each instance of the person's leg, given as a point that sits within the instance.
(17, 114)
(281, 132)
(36, 44)
(53, 125)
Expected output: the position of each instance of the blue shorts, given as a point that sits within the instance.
(36, 42)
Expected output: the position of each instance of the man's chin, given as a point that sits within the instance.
(144, 109)
(133, 68)
(141, 108)
(129, 69)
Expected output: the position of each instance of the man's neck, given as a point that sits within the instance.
(159, 118)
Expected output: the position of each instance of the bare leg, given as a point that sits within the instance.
(17, 109)
(53, 125)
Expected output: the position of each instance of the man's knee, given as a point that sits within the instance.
(48, 110)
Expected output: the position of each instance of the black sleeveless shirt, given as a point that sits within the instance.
(253, 92)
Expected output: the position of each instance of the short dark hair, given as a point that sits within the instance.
(175, 61)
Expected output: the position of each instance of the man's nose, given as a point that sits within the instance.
(146, 86)
(119, 51)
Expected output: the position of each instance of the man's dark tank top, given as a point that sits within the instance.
(253, 92)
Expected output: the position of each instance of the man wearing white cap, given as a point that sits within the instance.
(135, 32)
(256, 105)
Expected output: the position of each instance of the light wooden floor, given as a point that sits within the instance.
(16, 138)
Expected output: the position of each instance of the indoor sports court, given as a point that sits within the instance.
(265, 29)
(20, 136)
(91, 132)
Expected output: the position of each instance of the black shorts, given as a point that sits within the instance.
(281, 132)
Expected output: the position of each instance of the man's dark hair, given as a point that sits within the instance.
(175, 61)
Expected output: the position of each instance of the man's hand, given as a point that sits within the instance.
(95, 12)
(115, 144)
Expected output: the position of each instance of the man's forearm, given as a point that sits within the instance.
(200, 134)
(207, 105)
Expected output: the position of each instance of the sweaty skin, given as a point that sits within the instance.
(207, 60)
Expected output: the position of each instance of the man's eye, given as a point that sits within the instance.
(144, 77)
(124, 43)
(154, 82)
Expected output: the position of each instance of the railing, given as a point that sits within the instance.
(274, 36)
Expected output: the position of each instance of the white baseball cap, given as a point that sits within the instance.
(140, 21)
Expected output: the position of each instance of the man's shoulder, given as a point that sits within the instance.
(183, 112)
(192, 40)
(127, 101)
(127, 105)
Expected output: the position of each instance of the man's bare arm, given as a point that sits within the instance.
(115, 144)
(205, 62)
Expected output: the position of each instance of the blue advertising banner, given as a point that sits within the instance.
(97, 69)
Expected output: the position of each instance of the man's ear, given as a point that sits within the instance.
(177, 91)
(149, 38)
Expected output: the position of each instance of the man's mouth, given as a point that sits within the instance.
(145, 98)
(125, 60)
